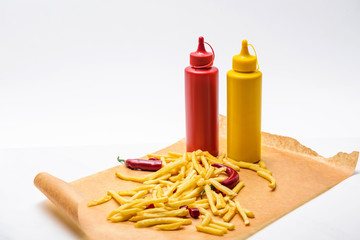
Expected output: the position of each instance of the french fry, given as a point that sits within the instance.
(120, 218)
(218, 200)
(169, 226)
(155, 181)
(186, 185)
(197, 205)
(127, 193)
(151, 210)
(174, 154)
(144, 187)
(238, 187)
(219, 179)
(224, 210)
(230, 214)
(218, 171)
(166, 169)
(247, 165)
(212, 158)
(222, 188)
(172, 188)
(117, 197)
(212, 225)
(193, 193)
(262, 164)
(211, 200)
(99, 201)
(209, 230)
(268, 177)
(230, 164)
(181, 202)
(150, 201)
(125, 206)
(182, 212)
(156, 221)
(249, 213)
(138, 195)
(129, 178)
(205, 162)
(209, 172)
(196, 165)
(242, 212)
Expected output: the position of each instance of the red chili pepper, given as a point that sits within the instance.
(150, 206)
(144, 164)
(194, 212)
(218, 191)
(233, 178)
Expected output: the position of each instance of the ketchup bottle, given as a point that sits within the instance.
(201, 101)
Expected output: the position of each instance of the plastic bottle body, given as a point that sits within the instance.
(244, 115)
(202, 114)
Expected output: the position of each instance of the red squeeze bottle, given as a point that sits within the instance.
(201, 102)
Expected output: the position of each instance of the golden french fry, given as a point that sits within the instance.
(249, 213)
(222, 188)
(144, 187)
(156, 221)
(99, 201)
(242, 212)
(127, 193)
(209, 230)
(230, 164)
(212, 225)
(129, 178)
(138, 195)
(172, 188)
(166, 169)
(150, 201)
(169, 226)
(268, 177)
(247, 165)
(238, 187)
(205, 162)
(211, 200)
(117, 197)
(193, 193)
(209, 172)
(230, 214)
(229, 226)
(151, 210)
(262, 164)
(181, 202)
(224, 210)
(155, 181)
(182, 212)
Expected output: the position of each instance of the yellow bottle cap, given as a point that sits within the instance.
(244, 62)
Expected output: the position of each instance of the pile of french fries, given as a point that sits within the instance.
(184, 180)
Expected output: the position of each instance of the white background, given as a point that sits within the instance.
(84, 81)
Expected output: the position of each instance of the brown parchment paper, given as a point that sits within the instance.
(301, 175)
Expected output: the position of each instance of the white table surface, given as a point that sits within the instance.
(333, 215)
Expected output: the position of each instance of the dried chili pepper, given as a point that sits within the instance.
(194, 212)
(144, 164)
(233, 176)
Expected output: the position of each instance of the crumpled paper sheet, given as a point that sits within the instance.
(301, 175)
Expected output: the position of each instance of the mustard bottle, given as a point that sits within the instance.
(244, 82)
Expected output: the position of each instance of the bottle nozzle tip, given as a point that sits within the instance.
(244, 43)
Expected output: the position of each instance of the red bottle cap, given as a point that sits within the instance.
(201, 58)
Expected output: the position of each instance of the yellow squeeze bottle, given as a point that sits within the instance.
(244, 108)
